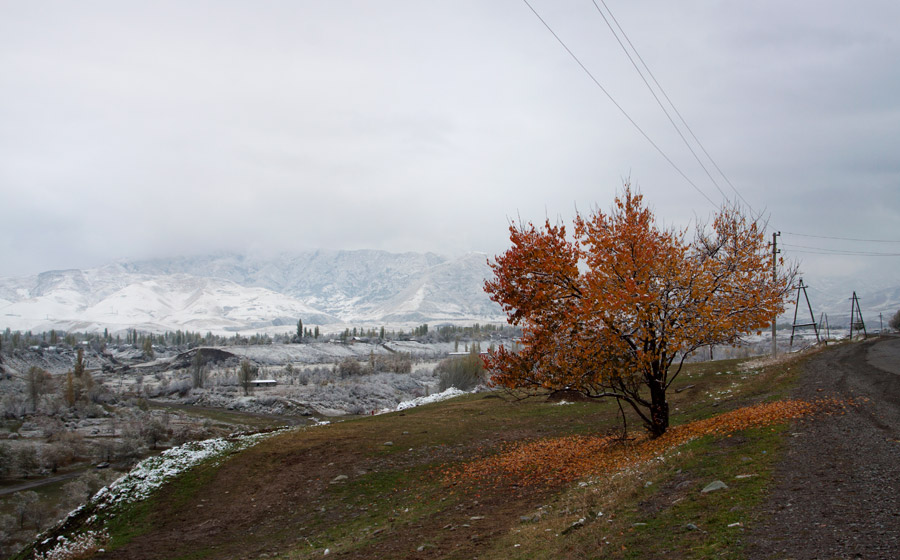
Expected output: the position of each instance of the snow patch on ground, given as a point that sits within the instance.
(437, 397)
(138, 484)
(153, 472)
(78, 546)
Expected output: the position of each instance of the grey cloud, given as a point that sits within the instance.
(173, 127)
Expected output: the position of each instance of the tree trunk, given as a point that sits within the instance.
(659, 409)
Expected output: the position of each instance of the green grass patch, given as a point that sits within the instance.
(224, 418)
(377, 502)
(135, 519)
(132, 522)
(657, 510)
(697, 525)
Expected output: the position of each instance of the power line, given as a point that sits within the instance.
(677, 112)
(700, 144)
(837, 252)
(614, 102)
(703, 148)
(845, 238)
(802, 248)
(660, 103)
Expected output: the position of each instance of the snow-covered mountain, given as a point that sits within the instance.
(233, 292)
(249, 293)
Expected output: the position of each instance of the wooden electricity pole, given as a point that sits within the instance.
(812, 318)
(823, 323)
(856, 318)
(775, 252)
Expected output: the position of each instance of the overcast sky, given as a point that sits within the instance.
(140, 129)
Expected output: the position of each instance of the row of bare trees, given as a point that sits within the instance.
(29, 512)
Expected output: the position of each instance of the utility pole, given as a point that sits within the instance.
(823, 321)
(856, 312)
(881, 321)
(812, 318)
(775, 252)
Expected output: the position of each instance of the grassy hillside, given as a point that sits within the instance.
(448, 481)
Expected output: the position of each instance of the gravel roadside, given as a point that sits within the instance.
(837, 485)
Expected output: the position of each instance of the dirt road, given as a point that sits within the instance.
(40, 482)
(838, 485)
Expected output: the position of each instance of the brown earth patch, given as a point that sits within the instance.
(283, 496)
(674, 490)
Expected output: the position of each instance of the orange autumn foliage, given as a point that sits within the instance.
(565, 459)
(615, 310)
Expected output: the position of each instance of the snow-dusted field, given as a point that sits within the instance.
(310, 379)
(324, 352)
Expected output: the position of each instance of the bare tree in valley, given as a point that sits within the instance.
(38, 382)
(79, 363)
(24, 506)
(246, 375)
(147, 348)
(894, 323)
(199, 371)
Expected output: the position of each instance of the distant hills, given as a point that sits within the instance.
(234, 292)
(246, 293)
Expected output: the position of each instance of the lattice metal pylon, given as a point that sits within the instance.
(856, 319)
(812, 318)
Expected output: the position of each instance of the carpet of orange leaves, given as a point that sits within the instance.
(565, 459)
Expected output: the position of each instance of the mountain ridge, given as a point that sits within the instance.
(233, 292)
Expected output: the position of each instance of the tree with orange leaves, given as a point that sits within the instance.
(614, 311)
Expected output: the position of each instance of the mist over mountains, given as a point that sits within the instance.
(233, 292)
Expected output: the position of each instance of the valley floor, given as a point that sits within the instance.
(395, 485)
